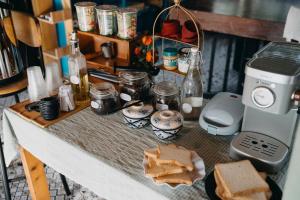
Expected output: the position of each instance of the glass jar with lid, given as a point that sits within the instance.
(104, 98)
(134, 86)
(166, 96)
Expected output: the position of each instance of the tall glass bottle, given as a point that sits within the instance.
(192, 88)
(78, 72)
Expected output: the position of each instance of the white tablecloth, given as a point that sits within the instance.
(104, 155)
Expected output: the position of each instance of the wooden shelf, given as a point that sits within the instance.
(100, 62)
(174, 71)
(56, 16)
(90, 42)
(175, 40)
(58, 52)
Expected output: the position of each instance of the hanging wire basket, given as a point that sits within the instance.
(177, 7)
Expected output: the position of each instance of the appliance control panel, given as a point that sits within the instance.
(263, 97)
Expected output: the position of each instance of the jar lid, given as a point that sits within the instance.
(167, 119)
(85, 4)
(127, 10)
(107, 8)
(103, 90)
(133, 76)
(170, 52)
(184, 50)
(165, 88)
(137, 111)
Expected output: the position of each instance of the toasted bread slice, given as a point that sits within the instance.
(151, 153)
(183, 178)
(239, 179)
(259, 196)
(180, 157)
(154, 170)
(172, 145)
(254, 196)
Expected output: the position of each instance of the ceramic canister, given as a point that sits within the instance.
(127, 23)
(86, 15)
(170, 57)
(137, 116)
(107, 19)
(166, 124)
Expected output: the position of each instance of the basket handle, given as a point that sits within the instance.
(190, 15)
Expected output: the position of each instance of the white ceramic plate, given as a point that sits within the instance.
(198, 174)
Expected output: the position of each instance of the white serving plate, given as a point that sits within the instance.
(198, 174)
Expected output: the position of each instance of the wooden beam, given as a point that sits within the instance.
(35, 175)
(235, 25)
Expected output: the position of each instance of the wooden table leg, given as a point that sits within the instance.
(35, 175)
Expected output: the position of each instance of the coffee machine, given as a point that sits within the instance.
(271, 96)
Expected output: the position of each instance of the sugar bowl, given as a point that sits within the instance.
(137, 115)
(166, 124)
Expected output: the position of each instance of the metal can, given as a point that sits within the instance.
(86, 15)
(107, 19)
(127, 22)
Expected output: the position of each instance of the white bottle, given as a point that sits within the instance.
(192, 88)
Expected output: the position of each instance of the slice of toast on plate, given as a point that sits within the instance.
(154, 170)
(180, 157)
(183, 178)
(240, 180)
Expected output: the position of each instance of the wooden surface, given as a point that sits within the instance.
(41, 6)
(35, 176)
(26, 29)
(14, 87)
(57, 16)
(91, 42)
(36, 118)
(9, 29)
(257, 19)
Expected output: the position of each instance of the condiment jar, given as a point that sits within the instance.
(166, 124)
(104, 98)
(183, 60)
(183, 64)
(134, 86)
(170, 56)
(166, 96)
(137, 116)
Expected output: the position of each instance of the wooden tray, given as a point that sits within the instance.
(35, 117)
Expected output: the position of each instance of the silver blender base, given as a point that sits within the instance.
(265, 152)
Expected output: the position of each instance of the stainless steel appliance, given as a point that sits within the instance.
(270, 97)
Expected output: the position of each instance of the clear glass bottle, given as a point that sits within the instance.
(192, 88)
(78, 72)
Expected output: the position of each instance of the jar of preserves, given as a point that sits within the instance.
(104, 98)
(170, 57)
(166, 96)
(134, 86)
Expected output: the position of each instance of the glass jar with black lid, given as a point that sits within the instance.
(104, 98)
(166, 96)
(134, 86)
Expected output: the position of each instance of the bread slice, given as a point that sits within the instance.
(183, 178)
(154, 170)
(259, 196)
(239, 179)
(151, 153)
(180, 157)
